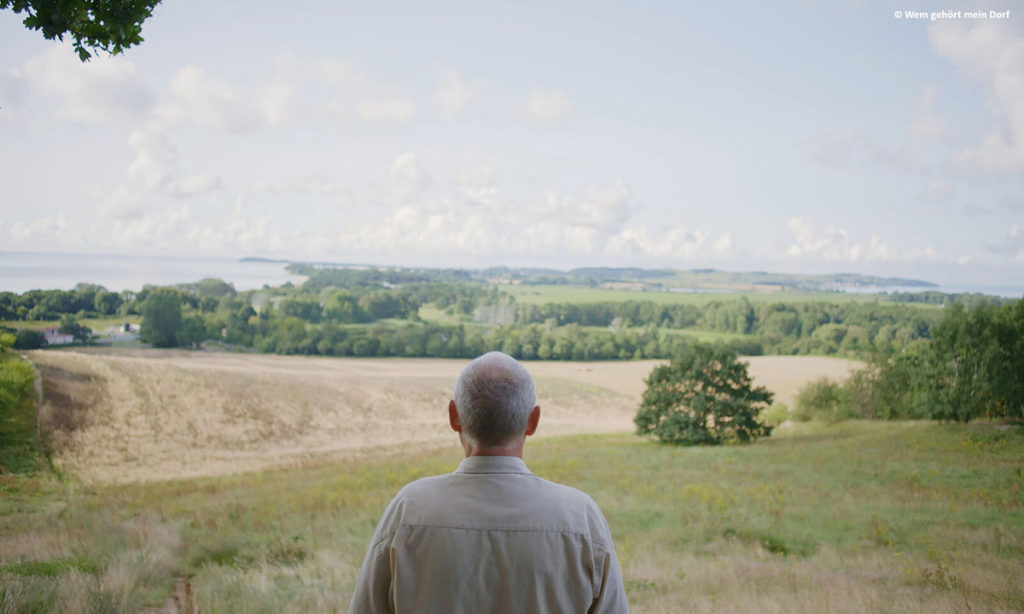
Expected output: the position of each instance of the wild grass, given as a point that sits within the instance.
(855, 517)
(19, 452)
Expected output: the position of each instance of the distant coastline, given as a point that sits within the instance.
(23, 271)
(258, 259)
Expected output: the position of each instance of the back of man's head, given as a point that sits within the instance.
(494, 396)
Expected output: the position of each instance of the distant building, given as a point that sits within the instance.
(55, 337)
(122, 332)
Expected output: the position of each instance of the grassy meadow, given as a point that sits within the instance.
(852, 517)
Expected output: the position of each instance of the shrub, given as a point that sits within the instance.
(819, 400)
(29, 339)
(776, 414)
(857, 395)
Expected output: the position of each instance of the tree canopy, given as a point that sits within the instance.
(703, 396)
(161, 318)
(100, 25)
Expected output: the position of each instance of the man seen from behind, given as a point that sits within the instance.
(491, 537)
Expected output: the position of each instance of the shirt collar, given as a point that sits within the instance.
(492, 464)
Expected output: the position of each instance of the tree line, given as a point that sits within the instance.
(814, 327)
(368, 320)
(372, 312)
(971, 367)
(344, 325)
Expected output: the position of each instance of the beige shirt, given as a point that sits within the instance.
(490, 538)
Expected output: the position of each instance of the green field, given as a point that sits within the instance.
(432, 314)
(96, 324)
(540, 294)
(708, 336)
(880, 517)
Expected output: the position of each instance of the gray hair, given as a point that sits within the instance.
(494, 396)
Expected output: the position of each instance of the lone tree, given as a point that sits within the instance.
(101, 25)
(161, 318)
(704, 396)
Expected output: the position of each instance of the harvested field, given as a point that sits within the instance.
(785, 375)
(140, 415)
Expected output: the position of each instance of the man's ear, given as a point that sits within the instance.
(453, 417)
(533, 421)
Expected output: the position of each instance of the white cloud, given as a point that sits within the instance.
(43, 230)
(936, 191)
(478, 221)
(154, 155)
(192, 185)
(547, 105)
(473, 224)
(452, 93)
(277, 102)
(309, 86)
(153, 172)
(153, 230)
(477, 190)
(201, 98)
(407, 179)
(991, 53)
(828, 243)
(298, 90)
(105, 89)
(676, 243)
(238, 234)
(156, 229)
(154, 169)
(1010, 245)
(604, 210)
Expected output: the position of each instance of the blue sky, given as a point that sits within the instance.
(799, 137)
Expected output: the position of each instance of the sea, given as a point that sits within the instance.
(23, 271)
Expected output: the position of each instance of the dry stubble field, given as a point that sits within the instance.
(140, 415)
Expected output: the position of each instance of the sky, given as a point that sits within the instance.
(800, 137)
